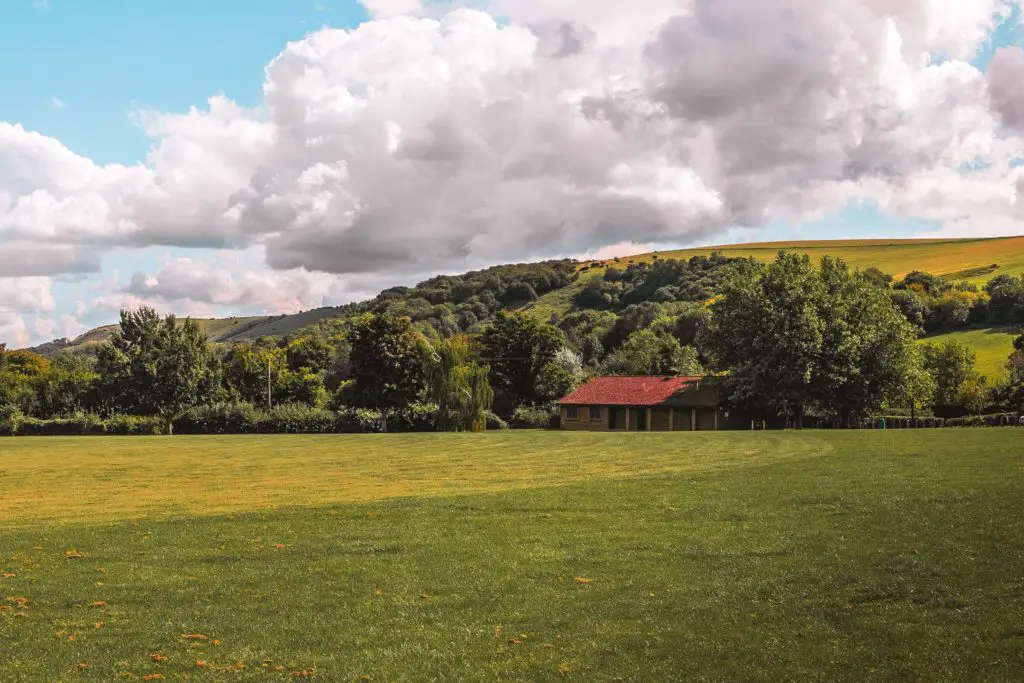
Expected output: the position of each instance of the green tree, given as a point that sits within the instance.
(796, 340)
(311, 352)
(459, 386)
(648, 353)
(67, 387)
(517, 349)
(154, 365)
(766, 331)
(951, 365)
(249, 371)
(387, 363)
(869, 356)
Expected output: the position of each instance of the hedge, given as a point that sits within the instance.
(997, 420)
(82, 425)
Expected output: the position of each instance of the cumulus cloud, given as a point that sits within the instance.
(206, 283)
(22, 259)
(437, 138)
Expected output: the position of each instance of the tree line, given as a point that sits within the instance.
(790, 339)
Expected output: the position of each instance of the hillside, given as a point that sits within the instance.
(548, 291)
(971, 260)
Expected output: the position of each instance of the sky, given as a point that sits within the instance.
(272, 156)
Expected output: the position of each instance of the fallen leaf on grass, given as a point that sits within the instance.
(82, 666)
(157, 657)
(201, 663)
(194, 636)
(153, 677)
(73, 554)
(279, 546)
(584, 581)
(99, 624)
(8, 575)
(97, 604)
(514, 641)
(302, 674)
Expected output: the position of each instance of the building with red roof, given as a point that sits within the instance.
(649, 403)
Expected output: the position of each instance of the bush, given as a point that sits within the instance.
(298, 418)
(494, 422)
(357, 421)
(535, 418)
(10, 419)
(219, 418)
(997, 420)
(418, 417)
(82, 424)
(133, 425)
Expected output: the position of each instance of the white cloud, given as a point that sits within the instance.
(13, 330)
(57, 103)
(381, 9)
(441, 139)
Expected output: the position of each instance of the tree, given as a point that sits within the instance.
(459, 387)
(649, 353)
(766, 332)
(1006, 298)
(869, 356)
(829, 341)
(387, 363)
(951, 365)
(517, 349)
(154, 366)
(311, 352)
(559, 377)
(67, 387)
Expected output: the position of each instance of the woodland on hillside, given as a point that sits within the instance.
(790, 338)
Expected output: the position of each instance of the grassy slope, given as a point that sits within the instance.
(991, 345)
(743, 556)
(960, 259)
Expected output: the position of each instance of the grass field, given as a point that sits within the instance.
(992, 346)
(515, 556)
(973, 260)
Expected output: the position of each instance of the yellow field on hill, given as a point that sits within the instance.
(973, 260)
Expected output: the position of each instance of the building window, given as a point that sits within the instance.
(595, 414)
(572, 413)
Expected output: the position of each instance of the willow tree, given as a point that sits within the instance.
(460, 387)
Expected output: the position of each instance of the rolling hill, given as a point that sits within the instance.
(971, 260)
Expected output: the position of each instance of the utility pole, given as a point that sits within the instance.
(269, 402)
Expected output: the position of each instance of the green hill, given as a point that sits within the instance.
(548, 291)
(972, 260)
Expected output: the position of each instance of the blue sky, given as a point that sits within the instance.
(105, 59)
(77, 71)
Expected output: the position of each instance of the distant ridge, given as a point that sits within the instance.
(975, 260)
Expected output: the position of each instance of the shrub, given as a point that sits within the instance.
(494, 422)
(997, 420)
(80, 424)
(357, 421)
(418, 417)
(10, 419)
(219, 418)
(133, 425)
(298, 418)
(528, 417)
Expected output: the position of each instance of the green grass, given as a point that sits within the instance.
(973, 260)
(717, 556)
(992, 346)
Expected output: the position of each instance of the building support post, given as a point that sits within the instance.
(671, 419)
(716, 418)
(693, 419)
(648, 419)
(628, 411)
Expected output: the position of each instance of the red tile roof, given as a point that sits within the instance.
(629, 391)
